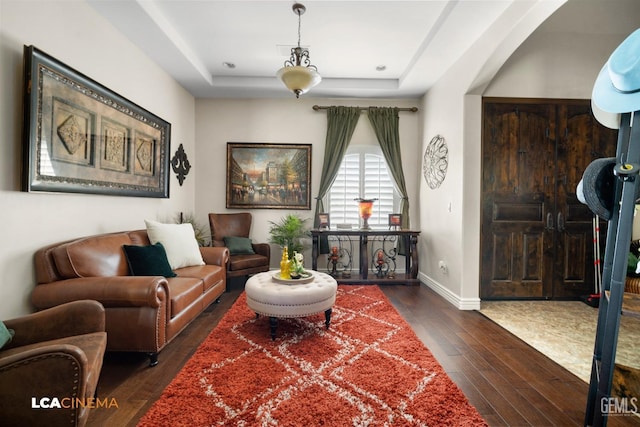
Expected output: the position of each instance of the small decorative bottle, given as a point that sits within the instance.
(284, 264)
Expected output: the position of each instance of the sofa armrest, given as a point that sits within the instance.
(55, 370)
(215, 255)
(22, 359)
(116, 291)
(66, 320)
(262, 249)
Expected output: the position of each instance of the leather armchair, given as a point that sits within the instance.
(239, 225)
(55, 354)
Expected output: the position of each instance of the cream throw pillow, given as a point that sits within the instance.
(179, 241)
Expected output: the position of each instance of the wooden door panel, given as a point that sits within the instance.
(516, 273)
(535, 151)
(515, 143)
(576, 274)
(503, 257)
(517, 163)
(581, 140)
(514, 246)
(501, 158)
(532, 257)
(575, 258)
(538, 150)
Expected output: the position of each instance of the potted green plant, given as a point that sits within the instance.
(290, 232)
(198, 229)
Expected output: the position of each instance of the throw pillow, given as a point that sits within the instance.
(238, 245)
(148, 260)
(5, 334)
(179, 241)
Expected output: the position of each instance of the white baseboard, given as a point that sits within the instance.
(447, 294)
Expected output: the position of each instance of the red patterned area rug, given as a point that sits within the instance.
(368, 369)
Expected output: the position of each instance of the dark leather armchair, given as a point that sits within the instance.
(239, 225)
(55, 354)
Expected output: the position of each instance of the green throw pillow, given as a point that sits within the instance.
(239, 245)
(148, 260)
(5, 335)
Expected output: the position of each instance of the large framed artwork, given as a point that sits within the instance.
(81, 137)
(268, 176)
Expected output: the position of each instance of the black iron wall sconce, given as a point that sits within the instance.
(180, 164)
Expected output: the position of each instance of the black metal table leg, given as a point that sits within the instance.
(327, 317)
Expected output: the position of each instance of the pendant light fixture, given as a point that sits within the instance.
(298, 75)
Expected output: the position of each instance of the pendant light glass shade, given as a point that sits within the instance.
(298, 79)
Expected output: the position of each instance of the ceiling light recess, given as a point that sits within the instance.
(298, 75)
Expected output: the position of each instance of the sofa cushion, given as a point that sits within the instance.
(148, 260)
(209, 274)
(183, 291)
(179, 241)
(239, 245)
(95, 256)
(241, 262)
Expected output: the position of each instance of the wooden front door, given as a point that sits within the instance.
(536, 237)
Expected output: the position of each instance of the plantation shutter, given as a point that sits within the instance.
(346, 188)
(377, 185)
(361, 175)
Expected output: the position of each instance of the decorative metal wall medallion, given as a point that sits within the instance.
(435, 162)
(180, 164)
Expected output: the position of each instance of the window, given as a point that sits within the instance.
(363, 173)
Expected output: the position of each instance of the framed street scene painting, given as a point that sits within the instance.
(268, 176)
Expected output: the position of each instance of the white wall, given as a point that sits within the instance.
(554, 65)
(288, 121)
(450, 214)
(546, 64)
(74, 33)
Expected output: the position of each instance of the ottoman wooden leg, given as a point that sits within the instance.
(327, 317)
(273, 322)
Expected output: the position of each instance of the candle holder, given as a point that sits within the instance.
(380, 262)
(333, 258)
(365, 207)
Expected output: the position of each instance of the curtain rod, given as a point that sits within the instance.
(325, 107)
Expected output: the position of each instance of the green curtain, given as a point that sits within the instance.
(385, 122)
(341, 122)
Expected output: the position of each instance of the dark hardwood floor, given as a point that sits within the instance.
(509, 382)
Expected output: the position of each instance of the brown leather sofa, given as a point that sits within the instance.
(143, 313)
(54, 354)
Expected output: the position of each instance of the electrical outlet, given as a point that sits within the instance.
(443, 267)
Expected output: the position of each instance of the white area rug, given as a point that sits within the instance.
(564, 331)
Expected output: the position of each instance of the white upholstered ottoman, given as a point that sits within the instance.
(277, 300)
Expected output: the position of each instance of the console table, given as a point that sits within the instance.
(377, 253)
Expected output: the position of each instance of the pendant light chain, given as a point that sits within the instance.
(299, 21)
